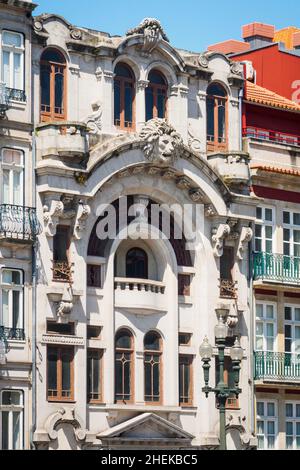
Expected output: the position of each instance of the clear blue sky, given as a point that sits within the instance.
(190, 24)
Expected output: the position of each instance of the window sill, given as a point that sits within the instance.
(185, 300)
(66, 402)
(147, 406)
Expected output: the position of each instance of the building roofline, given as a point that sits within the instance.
(21, 4)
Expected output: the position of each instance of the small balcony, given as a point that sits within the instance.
(274, 137)
(141, 296)
(277, 367)
(7, 95)
(62, 139)
(62, 271)
(228, 289)
(276, 268)
(12, 334)
(233, 167)
(18, 223)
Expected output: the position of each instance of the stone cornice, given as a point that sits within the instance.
(20, 4)
(63, 340)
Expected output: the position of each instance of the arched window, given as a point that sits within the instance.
(153, 367)
(137, 264)
(124, 94)
(124, 383)
(156, 96)
(53, 86)
(216, 107)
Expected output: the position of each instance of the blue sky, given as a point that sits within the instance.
(190, 24)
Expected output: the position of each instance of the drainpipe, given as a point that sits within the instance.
(34, 309)
(252, 341)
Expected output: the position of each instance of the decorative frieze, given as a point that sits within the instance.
(61, 340)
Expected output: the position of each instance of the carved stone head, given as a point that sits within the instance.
(163, 142)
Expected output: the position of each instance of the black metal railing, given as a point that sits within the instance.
(14, 94)
(228, 289)
(18, 223)
(62, 271)
(12, 334)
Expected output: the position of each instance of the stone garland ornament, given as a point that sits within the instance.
(152, 32)
(219, 235)
(163, 144)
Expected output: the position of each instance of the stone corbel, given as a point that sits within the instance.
(83, 213)
(65, 305)
(246, 237)
(51, 217)
(218, 237)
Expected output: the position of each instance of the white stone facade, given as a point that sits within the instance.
(85, 161)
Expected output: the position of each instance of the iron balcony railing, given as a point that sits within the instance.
(269, 135)
(14, 94)
(277, 366)
(18, 223)
(275, 267)
(12, 334)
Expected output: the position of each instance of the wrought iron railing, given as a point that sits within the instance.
(277, 366)
(14, 94)
(269, 135)
(228, 289)
(4, 99)
(18, 223)
(275, 267)
(12, 334)
(62, 271)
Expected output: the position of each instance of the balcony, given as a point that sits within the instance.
(18, 223)
(62, 139)
(276, 268)
(228, 289)
(140, 296)
(277, 367)
(233, 167)
(12, 334)
(7, 95)
(62, 271)
(268, 135)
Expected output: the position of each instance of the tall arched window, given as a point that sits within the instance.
(124, 382)
(216, 107)
(53, 86)
(153, 367)
(156, 96)
(137, 264)
(124, 94)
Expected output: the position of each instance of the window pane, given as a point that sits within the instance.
(17, 188)
(270, 312)
(17, 320)
(52, 373)
(5, 309)
(288, 313)
(149, 103)
(4, 430)
(6, 68)
(269, 215)
(271, 410)
(12, 39)
(17, 431)
(297, 314)
(59, 93)
(18, 79)
(117, 103)
(260, 409)
(259, 213)
(210, 118)
(258, 231)
(289, 413)
(260, 427)
(45, 87)
(296, 219)
(123, 340)
(221, 123)
(128, 105)
(66, 374)
(296, 236)
(286, 235)
(286, 217)
(11, 398)
(259, 311)
(161, 109)
(269, 232)
(152, 342)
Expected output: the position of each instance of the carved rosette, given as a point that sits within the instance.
(219, 235)
(246, 237)
(163, 144)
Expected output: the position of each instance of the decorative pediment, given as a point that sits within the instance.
(146, 428)
(152, 32)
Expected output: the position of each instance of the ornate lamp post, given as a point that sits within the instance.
(222, 391)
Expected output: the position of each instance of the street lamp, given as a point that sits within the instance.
(222, 391)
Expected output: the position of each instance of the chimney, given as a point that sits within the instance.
(258, 34)
(296, 41)
(229, 47)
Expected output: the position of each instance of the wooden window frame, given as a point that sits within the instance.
(12, 168)
(155, 87)
(11, 288)
(160, 355)
(146, 260)
(132, 369)
(90, 268)
(123, 81)
(190, 360)
(59, 398)
(215, 145)
(92, 401)
(10, 409)
(51, 115)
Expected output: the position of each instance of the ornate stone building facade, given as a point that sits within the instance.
(117, 324)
